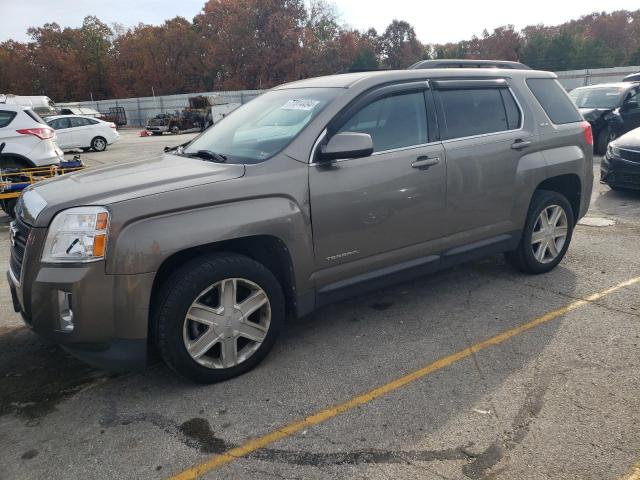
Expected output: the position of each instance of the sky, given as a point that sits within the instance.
(434, 22)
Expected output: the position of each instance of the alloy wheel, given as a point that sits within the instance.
(227, 323)
(549, 234)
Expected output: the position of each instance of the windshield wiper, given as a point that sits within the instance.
(208, 155)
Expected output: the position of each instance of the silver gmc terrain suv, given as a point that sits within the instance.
(314, 191)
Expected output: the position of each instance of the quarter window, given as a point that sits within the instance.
(6, 118)
(396, 121)
(555, 101)
(478, 111)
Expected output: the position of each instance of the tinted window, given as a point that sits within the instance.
(6, 117)
(59, 123)
(554, 100)
(474, 112)
(514, 116)
(633, 102)
(92, 121)
(393, 122)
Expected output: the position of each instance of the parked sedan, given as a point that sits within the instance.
(612, 109)
(620, 167)
(75, 131)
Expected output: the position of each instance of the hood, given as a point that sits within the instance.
(630, 140)
(126, 181)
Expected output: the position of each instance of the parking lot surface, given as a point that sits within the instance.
(554, 397)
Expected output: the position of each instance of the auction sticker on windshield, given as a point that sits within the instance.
(300, 104)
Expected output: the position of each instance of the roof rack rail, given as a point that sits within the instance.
(455, 63)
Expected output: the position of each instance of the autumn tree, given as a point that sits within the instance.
(251, 43)
(400, 46)
(162, 59)
(246, 44)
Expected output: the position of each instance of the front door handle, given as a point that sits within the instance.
(423, 162)
(520, 144)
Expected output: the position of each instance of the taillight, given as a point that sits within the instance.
(588, 133)
(112, 125)
(41, 133)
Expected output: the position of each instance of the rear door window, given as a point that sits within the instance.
(6, 118)
(396, 121)
(478, 111)
(60, 123)
(79, 122)
(554, 100)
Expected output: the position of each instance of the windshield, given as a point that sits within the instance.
(602, 97)
(264, 126)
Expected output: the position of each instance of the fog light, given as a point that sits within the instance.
(66, 313)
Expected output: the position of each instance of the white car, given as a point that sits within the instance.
(77, 131)
(29, 141)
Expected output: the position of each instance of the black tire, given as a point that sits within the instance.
(185, 285)
(98, 144)
(156, 133)
(605, 137)
(9, 207)
(522, 258)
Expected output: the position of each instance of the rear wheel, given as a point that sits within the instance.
(99, 144)
(547, 234)
(218, 316)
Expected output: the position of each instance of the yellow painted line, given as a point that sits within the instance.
(255, 444)
(633, 474)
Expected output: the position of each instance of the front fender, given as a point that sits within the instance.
(143, 245)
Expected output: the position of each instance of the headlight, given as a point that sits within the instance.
(77, 235)
(613, 151)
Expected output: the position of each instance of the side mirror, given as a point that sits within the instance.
(347, 145)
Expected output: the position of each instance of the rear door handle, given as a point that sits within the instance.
(520, 144)
(423, 162)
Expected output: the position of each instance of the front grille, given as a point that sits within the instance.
(631, 155)
(20, 235)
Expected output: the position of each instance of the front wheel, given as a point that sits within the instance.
(9, 207)
(605, 137)
(218, 316)
(547, 234)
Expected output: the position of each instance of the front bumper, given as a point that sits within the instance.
(620, 172)
(110, 312)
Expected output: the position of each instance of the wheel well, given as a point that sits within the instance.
(265, 249)
(18, 159)
(567, 185)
